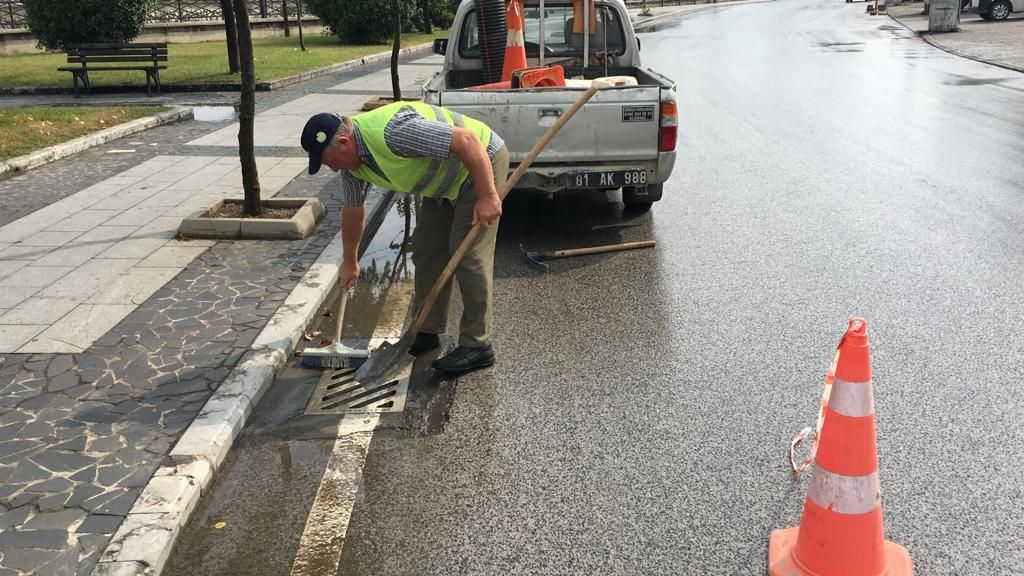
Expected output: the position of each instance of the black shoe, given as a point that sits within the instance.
(464, 359)
(424, 343)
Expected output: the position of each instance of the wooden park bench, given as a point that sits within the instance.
(109, 57)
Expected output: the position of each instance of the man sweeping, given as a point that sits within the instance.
(455, 163)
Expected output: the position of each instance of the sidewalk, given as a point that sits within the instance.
(114, 334)
(997, 43)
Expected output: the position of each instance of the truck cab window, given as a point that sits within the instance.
(469, 38)
(559, 40)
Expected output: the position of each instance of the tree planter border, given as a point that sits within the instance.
(203, 225)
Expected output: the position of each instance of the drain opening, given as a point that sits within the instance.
(338, 392)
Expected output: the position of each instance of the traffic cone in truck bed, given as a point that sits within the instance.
(840, 533)
(540, 77)
(515, 45)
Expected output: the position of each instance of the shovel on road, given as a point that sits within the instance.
(536, 259)
(389, 360)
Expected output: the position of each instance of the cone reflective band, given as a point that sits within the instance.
(515, 45)
(840, 532)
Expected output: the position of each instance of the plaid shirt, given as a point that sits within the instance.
(412, 136)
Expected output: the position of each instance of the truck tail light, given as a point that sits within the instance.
(669, 127)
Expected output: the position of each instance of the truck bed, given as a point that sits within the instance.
(462, 79)
(619, 124)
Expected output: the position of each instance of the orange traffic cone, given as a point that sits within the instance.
(841, 533)
(545, 77)
(515, 46)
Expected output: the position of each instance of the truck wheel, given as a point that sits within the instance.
(641, 200)
(999, 10)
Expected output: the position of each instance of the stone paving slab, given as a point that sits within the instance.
(998, 43)
(106, 238)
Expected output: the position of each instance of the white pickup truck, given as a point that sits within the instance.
(624, 137)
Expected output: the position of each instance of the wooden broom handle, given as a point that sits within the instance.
(446, 275)
(597, 249)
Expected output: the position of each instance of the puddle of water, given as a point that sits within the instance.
(214, 113)
(382, 261)
(975, 81)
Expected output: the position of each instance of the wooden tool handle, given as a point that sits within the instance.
(598, 249)
(446, 275)
(339, 314)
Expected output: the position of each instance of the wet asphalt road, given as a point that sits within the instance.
(830, 165)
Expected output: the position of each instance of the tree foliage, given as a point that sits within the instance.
(59, 24)
(370, 21)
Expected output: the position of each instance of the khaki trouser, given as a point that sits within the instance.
(439, 231)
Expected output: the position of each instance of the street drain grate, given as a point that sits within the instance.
(339, 393)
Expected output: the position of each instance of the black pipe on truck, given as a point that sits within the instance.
(493, 34)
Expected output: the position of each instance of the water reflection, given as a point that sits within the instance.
(385, 260)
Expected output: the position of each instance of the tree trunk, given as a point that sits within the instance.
(247, 112)
(397, 14)
(302, 43)
(230, 31)
(284, 14)
(428, 26)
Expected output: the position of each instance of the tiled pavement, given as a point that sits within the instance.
(282, 125)
(72, 270)
(138, 329)
(1000, 43)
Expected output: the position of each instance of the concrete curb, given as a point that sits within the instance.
(143, 542)
(930, 39)
(58, 151)
(225, 86)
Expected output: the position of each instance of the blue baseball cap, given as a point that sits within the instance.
(317, 135)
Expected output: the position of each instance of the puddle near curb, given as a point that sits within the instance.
(214, 113)
(387, 257)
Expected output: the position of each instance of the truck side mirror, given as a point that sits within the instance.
(637, 44)
(440, 46)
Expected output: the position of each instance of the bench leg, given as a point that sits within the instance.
(74, 80)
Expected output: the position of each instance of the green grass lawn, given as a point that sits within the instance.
(24, 130)
(202, 62)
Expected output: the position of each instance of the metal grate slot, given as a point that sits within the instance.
(338, 392)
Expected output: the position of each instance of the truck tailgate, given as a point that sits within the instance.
(617, 124)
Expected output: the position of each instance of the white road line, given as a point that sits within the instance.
(323, 538)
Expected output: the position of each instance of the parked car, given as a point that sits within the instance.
(997, 9)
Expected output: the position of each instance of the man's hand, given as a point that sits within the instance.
(487, 210)
(348, 273)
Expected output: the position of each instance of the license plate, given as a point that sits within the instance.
(607, 179)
